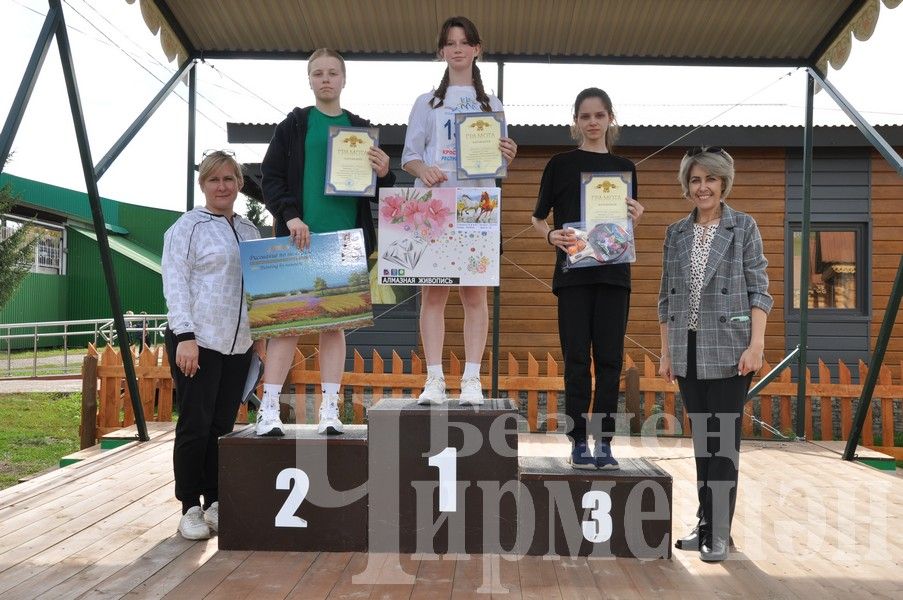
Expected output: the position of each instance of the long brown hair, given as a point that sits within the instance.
(611, 134)
(473, 38)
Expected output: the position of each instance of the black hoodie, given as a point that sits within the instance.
(283, 172)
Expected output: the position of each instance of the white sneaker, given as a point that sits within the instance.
(268, 422)
(192, 525)
(471, 391)
(330, 424)
(433, 391)
(211, 517)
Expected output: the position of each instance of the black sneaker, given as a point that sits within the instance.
(581, 458)
(603, 457)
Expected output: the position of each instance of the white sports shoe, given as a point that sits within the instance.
(471, 391)
(433, 391)
(330, 424)
(268, 422)
(192, 525)
(211, 517)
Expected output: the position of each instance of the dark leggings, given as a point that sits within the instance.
(715, 408)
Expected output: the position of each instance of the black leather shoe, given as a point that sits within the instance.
(714, 549)
(689, 541)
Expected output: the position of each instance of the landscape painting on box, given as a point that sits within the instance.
(323, 287)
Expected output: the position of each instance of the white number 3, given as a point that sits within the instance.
(286, 516)
(599, 528)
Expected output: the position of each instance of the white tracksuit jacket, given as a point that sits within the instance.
(202, 280)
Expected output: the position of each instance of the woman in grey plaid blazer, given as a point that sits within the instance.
(712, 308)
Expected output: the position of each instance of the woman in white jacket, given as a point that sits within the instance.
(208, 338)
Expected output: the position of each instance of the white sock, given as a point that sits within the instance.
(434, 371)
(471, 370)
(329, 388)
(271, 393)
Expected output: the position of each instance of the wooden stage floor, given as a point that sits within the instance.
(808, 525)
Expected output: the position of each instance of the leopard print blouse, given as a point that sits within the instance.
(702, 243)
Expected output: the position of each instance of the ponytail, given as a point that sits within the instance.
(439, 94)
(482, 98)
(478, 87)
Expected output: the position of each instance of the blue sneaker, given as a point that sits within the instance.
(604, 459)
(581, 458)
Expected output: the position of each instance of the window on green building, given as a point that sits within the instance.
(49, 243)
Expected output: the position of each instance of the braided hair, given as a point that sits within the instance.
(473, 38)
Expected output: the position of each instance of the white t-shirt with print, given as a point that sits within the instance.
(431, 132)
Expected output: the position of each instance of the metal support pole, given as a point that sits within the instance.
(81, 135)
(20, 102)
(771, 375)
(192, 122)
(804, 262)
(139, 122)
(868, 388)
(893, 303)
(874, 138)
(497, 290)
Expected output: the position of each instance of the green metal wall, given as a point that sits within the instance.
(40, 297)
(146, 225)
(140, 289)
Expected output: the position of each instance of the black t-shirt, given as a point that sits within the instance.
(559, 193)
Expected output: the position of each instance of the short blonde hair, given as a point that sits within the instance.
(716, 161)
(320, 53)
(213, 161)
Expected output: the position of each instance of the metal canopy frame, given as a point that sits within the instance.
(54, 26)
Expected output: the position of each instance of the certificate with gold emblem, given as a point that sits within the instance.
(348, 170)
(605, 233)
(477, 138)
(603, 197)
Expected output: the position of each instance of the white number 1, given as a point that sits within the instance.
(447, 463)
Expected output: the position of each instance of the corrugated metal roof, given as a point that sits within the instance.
(791, 32)
(132, 251)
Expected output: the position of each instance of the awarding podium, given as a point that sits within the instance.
(433, 480)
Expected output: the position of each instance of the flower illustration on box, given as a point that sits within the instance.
(420, 216)
(478, 265)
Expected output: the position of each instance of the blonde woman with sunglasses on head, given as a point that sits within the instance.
(208, 338)
(712, 307)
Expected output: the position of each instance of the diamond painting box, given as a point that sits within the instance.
(326, 286)
(439, 236)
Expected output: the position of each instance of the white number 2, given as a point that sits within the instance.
(286, 516)
(599, 528)
(447, 463)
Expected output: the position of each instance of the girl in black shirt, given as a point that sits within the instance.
(592, 302)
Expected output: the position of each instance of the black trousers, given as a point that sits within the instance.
(592, 318)
(715, 408)
(208, 405)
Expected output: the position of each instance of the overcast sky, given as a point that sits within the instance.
(120, 67)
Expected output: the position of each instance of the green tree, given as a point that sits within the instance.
(16, 250)
(320, 284)
(256, 212)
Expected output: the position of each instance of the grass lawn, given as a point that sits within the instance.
(36, 430)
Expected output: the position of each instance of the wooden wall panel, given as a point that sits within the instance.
(528, 307)
(887, 250)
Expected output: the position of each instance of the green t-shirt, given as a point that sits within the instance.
(323, 213)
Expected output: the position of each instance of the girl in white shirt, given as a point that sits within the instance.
(429, 155)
